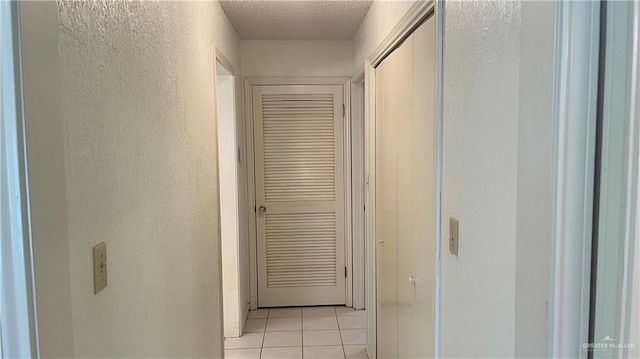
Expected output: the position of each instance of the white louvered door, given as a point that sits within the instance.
(298, 133)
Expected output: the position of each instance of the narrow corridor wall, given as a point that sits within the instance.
(140, 159)
(278, 58)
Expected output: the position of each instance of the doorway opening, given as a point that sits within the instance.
(228, 157)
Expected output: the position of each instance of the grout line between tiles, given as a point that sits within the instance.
(321, 330)
(264, 334)
(344, 353)
(280, 331)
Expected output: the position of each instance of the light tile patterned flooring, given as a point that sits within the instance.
(297, 333)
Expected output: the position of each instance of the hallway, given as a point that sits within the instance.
(466, 174)
(301, 333)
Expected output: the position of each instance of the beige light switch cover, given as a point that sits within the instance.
(453, 236)
(99, 267)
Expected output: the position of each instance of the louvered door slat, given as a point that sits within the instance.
(291, 142)
(300, 249)
(298, 142)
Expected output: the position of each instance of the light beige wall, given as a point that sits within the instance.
(480, 167)
(45, 151)
(498, 91)
(140, 158)
(266, 58)
(382, 17)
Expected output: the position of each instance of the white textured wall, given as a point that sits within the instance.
(498, 88)
(382, 17)
(480, 173)
(137, 101)
(224, 35)
(281, 58)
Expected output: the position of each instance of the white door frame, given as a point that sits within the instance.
(19, 338)
(214, 58)
(370, 200)
(249, 83)
(618, 186)
(574, 111)
(358, 188)
(219, 58)
(630, 301)
(419, 12)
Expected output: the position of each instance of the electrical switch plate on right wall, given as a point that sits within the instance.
(99, 267)
(453, 236)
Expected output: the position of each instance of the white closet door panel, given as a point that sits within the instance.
(298, 133)
(405, 197)
(393, 104)
(416, 300)
(406, 241)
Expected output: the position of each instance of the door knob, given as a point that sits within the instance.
(262, 209)
(412, 280)
(381, 241)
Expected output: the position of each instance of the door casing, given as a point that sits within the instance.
(250, 82)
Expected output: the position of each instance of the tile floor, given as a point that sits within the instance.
(297, 333)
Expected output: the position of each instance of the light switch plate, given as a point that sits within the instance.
(99, 267)
(453, 236)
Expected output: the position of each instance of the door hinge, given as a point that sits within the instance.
(345, 272)
(255, 209)
(343, 110)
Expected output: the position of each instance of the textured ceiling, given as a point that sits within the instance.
(296, 20)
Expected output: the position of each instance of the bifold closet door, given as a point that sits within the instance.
(416, 205)
(393, 105)
(405, 197)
